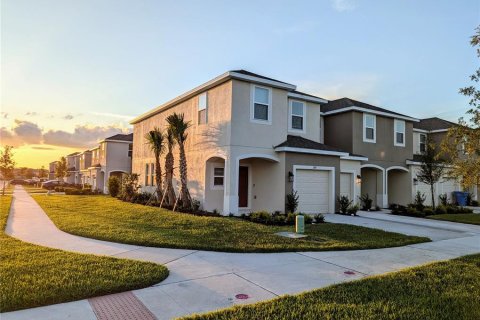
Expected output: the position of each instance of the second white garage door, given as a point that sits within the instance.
(313, 188)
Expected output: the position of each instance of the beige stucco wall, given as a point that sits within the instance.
(338, 131)
(399, 187)
(203, 142)
(116, 157)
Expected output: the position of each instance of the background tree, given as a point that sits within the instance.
(156, 140)
(465, 160)
(431, 169)
(7, 164)
(169, 163)
(42, 173)
(179, 127)
(61, 169)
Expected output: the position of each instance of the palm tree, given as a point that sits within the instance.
(156, 139)
(169, 162)
(179, 127)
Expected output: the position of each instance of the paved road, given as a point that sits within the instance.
(203, 281)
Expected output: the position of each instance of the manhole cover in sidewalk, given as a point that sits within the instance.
(121, 306)
(349, 273)
(242, 296)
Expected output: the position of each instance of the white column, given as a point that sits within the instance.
(230, 196)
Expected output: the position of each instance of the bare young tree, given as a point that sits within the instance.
(431, 169)
(7, 164)
(61, 169)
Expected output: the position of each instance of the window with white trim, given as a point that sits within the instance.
(152, 173)
(297, 116)
(218, 177)
(261, 105)
(146, 173)
(423, 142)
(369, 128)
(399, 132)
(202, 108)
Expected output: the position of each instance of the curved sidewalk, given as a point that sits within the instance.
(202, 281)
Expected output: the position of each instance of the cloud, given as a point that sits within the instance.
(343, 5)
(42, 148)
(113, 115)
(31, 113)
(26, 131)
(68, 117)
(7, 138)
(4, 115)
(82, 137)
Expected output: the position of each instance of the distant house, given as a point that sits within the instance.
(112, 157)
(52, 166)
(73, 168)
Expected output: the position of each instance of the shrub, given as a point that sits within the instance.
(464, 210)
(87, 186)
(129, 187)
(353, 209)
(443, 199)
(451, 209)
(319, 218)
(474, 203)
(279, 220)
(113, 186)
(195, 205)
(261, 217)
(377, 208)
(428, 211)
(469, 198)
(292, 202)
(366, 202)
(307, 218)
(441, 209)
(419, 201)
(343, 203)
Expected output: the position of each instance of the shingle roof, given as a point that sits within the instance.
(248, 73)
(73, 154)
(344, 103)
(300, 142)
(433, 124)
(121, 137)
(307, 94)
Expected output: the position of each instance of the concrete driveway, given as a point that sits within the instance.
(202, 281)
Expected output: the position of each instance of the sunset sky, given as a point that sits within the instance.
(74, 72)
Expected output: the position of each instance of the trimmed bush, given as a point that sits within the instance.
(319, 218)
(113, 186)
(474, 203)
(441, 210)
(261, 217)
(451, 210)
(428, 211)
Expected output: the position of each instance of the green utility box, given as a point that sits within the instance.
(300, 224)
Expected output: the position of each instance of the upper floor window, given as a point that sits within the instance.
(423, 142)
(399, 130)
(130, 149)
(369, 128)
(297, 116)
(202, 108)
(261, 108)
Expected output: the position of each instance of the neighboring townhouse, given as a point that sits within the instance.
(112, 157)
(52, 166)
(73, 168)
(253, 140)
(436, 129)
(385, 137)
(85, 163)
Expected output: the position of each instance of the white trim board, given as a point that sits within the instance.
(380, 113)
(312, 151)
(306, 98)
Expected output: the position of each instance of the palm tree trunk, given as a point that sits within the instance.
(158, 176)
(185, 195)
(3, 190)
(170, 193)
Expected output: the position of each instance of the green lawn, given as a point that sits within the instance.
(444, 290)
(106, 218)
(33, 276)
(471, 218)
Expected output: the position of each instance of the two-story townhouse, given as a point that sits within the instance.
(85, 163)
(384, 137)
(112, 157)
(72, 168)
(52, 166)
(436, 129)
(253, 140)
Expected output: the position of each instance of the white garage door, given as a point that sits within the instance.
(313, 188)
(346, 185)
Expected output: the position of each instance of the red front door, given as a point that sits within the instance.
(243, 187)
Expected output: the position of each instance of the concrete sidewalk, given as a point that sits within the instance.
(202, 281)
